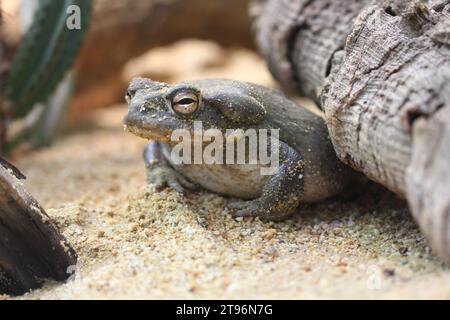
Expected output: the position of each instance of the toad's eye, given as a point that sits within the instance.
(129, 94)
(185, 103)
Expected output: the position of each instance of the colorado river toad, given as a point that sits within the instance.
(307, 169)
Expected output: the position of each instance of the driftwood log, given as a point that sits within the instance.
(31, 248)
(380, 71)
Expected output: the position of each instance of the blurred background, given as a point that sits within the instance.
(166, 40)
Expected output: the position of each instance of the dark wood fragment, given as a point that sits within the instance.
(31, 248)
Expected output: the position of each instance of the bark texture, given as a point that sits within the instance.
(386, 98)
(31, 248)
(299, 38)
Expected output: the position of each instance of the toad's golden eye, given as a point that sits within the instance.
(185, 103)
(128, 97)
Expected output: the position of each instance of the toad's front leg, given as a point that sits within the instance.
(161, 174)
(281, 194)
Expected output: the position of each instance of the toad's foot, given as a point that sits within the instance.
(163, 177)
(254, 208)
(161, 174)
(282, 193)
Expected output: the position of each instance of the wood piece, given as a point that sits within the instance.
(31, 248)
(387, 106)
(300, 40)
(386, 97)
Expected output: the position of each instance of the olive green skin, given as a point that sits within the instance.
(309, 169)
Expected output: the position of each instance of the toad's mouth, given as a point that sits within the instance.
(148, 134)
(149, 126)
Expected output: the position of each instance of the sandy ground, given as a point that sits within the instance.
(136, 243)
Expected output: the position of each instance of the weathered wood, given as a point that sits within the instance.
(386, 99)
(300, 40)
(31, 248)
(384, 105)
(428, 176)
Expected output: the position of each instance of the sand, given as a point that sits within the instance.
(136, 243)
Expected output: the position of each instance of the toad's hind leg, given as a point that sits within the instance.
(281, 194)
(160, 173)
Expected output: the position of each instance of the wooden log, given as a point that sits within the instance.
(428, 177)
(299, 38)
(387, 104)
(386, 98)
(31, 248)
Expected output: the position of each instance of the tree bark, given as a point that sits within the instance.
(31, 248)
(300, 40)
(385, 94)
